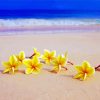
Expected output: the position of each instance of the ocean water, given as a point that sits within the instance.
(13, 21)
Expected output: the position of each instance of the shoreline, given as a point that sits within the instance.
(48, 29)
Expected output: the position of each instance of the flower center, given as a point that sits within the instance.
(49, 57)
(85, 71)
(13, 66)
(33, 67)
(20, 60)
(59, 63)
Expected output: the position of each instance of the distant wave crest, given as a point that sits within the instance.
(46, 22)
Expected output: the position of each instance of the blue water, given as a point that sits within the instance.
(49, 14)
(33, 20)
(50, 4)
(53, 15)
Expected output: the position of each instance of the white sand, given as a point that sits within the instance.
(49, 86)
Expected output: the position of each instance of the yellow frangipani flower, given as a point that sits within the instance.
(21, 56)
(36, 53)
(48, 56)
(12, 65)
(32, 65)
(59, 62)
(84, 71)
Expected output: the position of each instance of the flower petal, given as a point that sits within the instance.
(79, 69)
(47, 61)
(27, 62)
(59, 58)
(85, 65)
(28, 71)
(39, 65)
(6, 70)
(36, 52)
(21, 55)
(6, 64)
(35, 60)
(91, 71)
(54, 62)
(63, 61)
(36, 71)
(46, 53)
(79, 75)
(12, 60)
(53, 53)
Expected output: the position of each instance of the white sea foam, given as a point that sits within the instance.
(34, 26)
(46, 22)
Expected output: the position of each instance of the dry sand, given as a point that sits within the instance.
(49, 86)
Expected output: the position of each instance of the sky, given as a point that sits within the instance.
(50, 4)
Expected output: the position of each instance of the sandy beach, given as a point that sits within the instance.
(47, 85)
